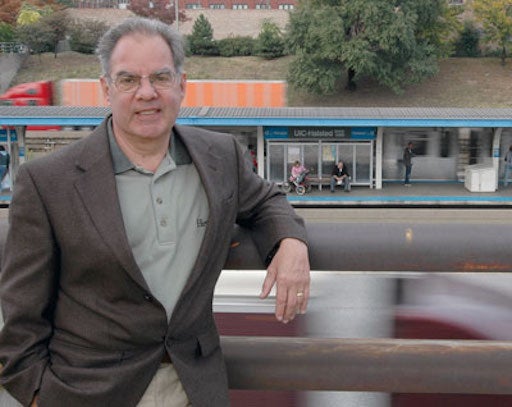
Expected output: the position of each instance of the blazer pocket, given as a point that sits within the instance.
(208, 342)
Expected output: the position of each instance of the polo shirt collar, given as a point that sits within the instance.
(177, 151)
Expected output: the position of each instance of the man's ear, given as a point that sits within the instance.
(105, 87)
(183, 85)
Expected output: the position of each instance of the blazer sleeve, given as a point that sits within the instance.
(264, 209)
(27, 290)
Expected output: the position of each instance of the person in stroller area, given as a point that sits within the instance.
(298, 173)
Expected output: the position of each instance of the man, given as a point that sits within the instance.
(407, 159)
(340, 175)
(508, 166)
(116, 243)
(5, 160)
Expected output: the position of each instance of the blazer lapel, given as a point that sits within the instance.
(97, 188)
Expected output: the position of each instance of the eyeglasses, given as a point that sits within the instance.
(127, 82)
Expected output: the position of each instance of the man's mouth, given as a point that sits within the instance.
(148, 112)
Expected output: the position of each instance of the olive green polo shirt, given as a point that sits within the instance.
(165, 216)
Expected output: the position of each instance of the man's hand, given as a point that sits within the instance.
(289, 270)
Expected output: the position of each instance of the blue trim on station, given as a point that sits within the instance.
(5, 198)
(271, 121)
(281, 121)
(402, 199)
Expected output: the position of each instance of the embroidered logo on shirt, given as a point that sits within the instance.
(201, 223)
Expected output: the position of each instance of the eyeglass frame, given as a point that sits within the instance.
(174, 76)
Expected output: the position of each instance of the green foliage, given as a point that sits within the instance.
(270, 43)
(496, 17)
(395, 42)
(201, 41)
(39, 37)
(467, 44)
(6, 32)
(236, 46)
(84, 35)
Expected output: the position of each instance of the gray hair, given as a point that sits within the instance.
(145, 26)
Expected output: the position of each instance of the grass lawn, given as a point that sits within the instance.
(461, 82)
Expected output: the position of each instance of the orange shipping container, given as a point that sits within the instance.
(217, 93)
(81, 92)
(223, 93)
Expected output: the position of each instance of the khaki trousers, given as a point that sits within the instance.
(165, 390)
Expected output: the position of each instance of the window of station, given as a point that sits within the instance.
(264, 6)
(319, 159)
(217, 6)
(193, 6)
(286, 7)
(240, 6)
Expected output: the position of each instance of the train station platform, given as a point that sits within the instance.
(428, 194)
(392, 194)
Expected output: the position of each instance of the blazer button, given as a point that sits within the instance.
(148, 297)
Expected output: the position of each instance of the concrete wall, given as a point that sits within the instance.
(9, 65)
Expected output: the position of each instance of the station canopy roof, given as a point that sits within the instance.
(285, 116)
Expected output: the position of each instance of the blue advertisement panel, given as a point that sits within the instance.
(363, 133)
(275, 132)
(4, 138)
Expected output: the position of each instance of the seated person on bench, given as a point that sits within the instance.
(339, 175)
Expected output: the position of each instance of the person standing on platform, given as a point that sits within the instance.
(508, 166)
(117, 240)
(407, 159)
(5, 160)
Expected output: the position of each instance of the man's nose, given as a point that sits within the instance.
(146, 88)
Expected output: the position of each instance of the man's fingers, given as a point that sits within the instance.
(268, 283)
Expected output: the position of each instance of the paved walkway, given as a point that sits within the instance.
(396, 194)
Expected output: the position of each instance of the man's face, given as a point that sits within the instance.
(147, 113)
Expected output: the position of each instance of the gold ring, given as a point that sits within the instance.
(300, 294)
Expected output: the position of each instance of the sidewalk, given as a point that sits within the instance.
(392, 194)
(396, 194)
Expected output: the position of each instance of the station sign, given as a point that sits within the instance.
(320, 133)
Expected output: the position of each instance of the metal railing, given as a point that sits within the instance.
(373, 365)
(13, 48)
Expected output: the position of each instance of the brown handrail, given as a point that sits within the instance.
(373, 365)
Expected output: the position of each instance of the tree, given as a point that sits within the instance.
(201, 41)
(6, 32)
(9, 9)
(39, 37)
(28, 15)
(496, 18)
(84, 35)
(270, 43)
(163, 10)
(396, 42)
(467, 45)
(58, 22)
